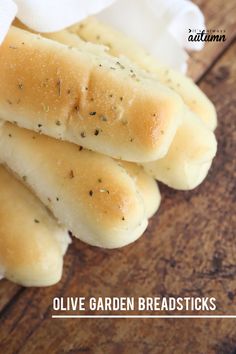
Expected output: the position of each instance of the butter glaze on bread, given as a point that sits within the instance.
(89, 193)
(146, 185)
(118, 44)
(92, 99)
(189, 158)
(32, 244)
(191, 152)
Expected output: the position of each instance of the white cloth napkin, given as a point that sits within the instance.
(8, 10)
(161, 26)
(54, 15)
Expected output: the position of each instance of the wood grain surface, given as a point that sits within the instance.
(188, 249)
(219, 15)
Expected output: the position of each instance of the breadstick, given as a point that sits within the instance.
(92, 99)
(192, 149)
(118, 44)
(189, 158)
(146, 185)
(32, 244)
(89, 193)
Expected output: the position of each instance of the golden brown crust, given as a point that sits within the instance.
(91, 99)
(146, 185)
(88, 192)
(118, 44)
(189, 158)
(31, 243)
(191, 152)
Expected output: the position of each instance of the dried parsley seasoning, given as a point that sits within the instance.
(91, 193)
(9, 135)
(68, 92)
(82, 134)
(120, 65)
(99, 180)
(80, 148)
(59, 87)
(24, 178)
(123, 218)
(57, 199)
(96, 132)
(39, 125)
(36, 221)
(58, 123)
(103, 118)
(20, 85)
(71, 174)
(92, 113)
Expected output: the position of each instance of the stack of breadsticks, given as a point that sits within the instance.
(85, 128)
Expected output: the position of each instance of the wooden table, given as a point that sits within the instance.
(189, 249)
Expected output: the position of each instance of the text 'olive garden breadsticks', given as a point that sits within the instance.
(118, 44)
(90, 194)
(92, 99)
(32, 244)
(192, 149)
